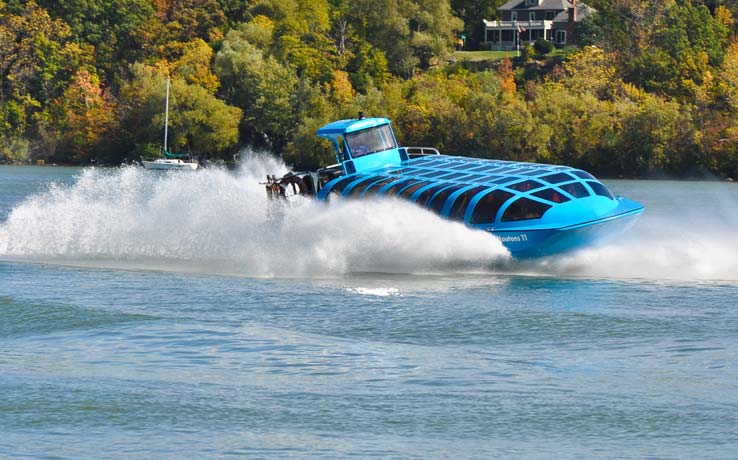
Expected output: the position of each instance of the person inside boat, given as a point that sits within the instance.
(292, 184)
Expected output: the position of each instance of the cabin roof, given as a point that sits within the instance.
(456, 187)
(349, 125)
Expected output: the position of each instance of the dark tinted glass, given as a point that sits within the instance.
(575, 189)
(524, 209)
(556, 178)
(433, 163)
(408, 192)
(436, 204)
(582, 174)
(453, 176)
(374, 188)
(432, 173)
(426, 195)
(398, 185)
(459, 207)
(551, 194)
(358, 188)
(524, 186)
(486, 208)
(600, 189)
(341, 184)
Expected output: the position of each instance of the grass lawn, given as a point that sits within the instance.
(497, 55)
(482, 55)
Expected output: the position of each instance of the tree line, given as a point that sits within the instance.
(652, 90)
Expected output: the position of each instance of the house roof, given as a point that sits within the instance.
(582, 12)
(542, 5)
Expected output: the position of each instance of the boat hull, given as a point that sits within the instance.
(171, 165)
(528, 243)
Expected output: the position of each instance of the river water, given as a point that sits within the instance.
(162, 316)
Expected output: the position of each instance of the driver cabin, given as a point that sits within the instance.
(364, 143)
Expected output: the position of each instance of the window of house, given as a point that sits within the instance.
(560, 36)
(513, 15)
(532, 16)
(486, 208)
(550, 15)
(524, 209)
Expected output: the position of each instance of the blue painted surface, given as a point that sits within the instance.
(548, 208)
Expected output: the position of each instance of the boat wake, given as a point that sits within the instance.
(215, 221)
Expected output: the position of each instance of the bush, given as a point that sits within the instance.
(543, 47)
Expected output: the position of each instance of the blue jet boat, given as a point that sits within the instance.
(534, 209)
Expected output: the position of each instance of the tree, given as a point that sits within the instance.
(262, 87)
(200, 123)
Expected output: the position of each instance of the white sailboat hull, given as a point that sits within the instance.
(166, 164)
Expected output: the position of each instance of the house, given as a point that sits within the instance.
(525, 21)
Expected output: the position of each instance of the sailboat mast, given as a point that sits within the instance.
(166, 117)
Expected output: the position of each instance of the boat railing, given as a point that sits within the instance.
(415, 152)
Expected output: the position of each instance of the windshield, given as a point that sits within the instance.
(370, 140)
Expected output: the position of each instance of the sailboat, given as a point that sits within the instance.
(170, 161)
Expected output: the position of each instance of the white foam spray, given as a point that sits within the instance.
(687, 233)
(215, 221)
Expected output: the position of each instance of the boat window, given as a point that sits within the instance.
(432, 173)
(600, 189)
(453, 176)
(434, 164)
(532, 172)
(470, 178)
(520, 171)
(374, 188)
(459, 207)
(582, 174)
(402, 171)
(504, 180)
(398, 185)
(488, 178)
(551, 194)
(486, 209)
(479, 168)
(436, 204)
(526, 185)
(408, 192)
(426, 195)
(556, 178)
(360, 186)
(524, 209)
(341, 184)
(575, 189)
(462, 166)
(371, 140)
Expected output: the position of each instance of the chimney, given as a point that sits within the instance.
(573, 11)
